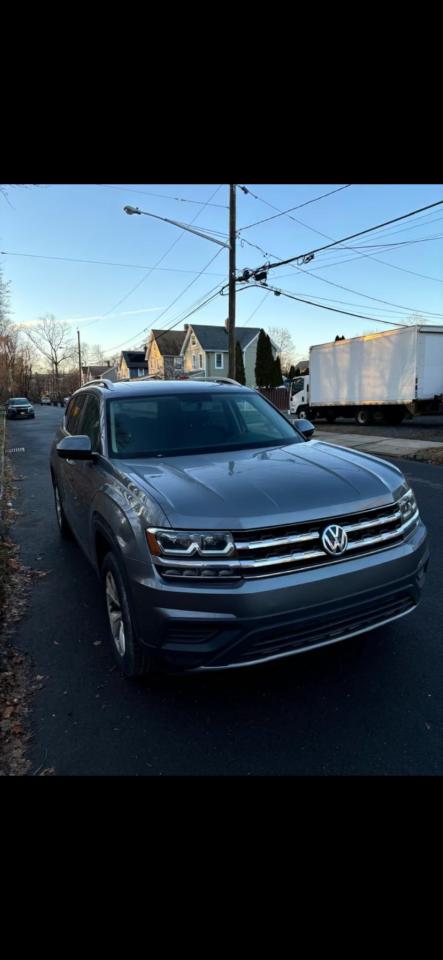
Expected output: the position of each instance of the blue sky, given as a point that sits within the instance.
(87, 222)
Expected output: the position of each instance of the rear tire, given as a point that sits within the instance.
(363, 417)
(63, 525)
(131, 657)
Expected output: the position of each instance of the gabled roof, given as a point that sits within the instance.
(213, 338)
(96, 370)
(169, 342)
(134, 358)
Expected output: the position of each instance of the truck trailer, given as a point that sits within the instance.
(376, 378)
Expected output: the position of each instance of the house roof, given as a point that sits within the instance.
(214, 338)
(95, 370)
(134, 358)
(169, 342)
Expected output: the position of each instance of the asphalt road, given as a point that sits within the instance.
(371, 705)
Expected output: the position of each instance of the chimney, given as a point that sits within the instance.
(186, 326)
(227, 324)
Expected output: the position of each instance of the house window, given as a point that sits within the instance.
(141, 372)
(219, 361)
(195, 362)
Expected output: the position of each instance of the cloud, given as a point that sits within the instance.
(100, 316)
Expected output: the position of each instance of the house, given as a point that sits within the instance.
(132, 364)
(163, 353)
(205, 348)
(303, 367)
(95, 371)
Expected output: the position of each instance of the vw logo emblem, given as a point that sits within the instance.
(334, 540)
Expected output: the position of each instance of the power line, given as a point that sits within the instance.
(180, 295)
(367, 255)
(164, 196)
(251, 315)
(341, 286)
(145, 277)
(360, 233)
(312, 303)
(181, 318)
(107, 263)
(281, 213)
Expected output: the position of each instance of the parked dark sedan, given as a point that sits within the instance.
(19, 408)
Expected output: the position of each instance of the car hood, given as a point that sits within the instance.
(265, 487)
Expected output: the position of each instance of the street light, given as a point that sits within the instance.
(183, 226)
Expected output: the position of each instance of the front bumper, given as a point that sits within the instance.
(251, 621)
(20, 415)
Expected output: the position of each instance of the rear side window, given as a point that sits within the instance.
(74, 412)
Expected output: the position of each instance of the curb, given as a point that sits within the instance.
(407, 449)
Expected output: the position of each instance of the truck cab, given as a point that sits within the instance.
(299, 397)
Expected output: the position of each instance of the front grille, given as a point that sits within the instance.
(276, 550)
(291, 637)
(264, 552)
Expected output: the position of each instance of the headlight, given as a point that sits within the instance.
(179, 554)
(180, 543)
(408, 506)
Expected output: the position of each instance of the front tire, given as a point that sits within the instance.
(131, 657)
(63, 525)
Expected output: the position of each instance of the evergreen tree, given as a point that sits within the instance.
(260, 360)
(292, 372)
(270, 369)
(277, 373)
(239, 365)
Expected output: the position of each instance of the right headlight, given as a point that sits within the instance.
(408, 507)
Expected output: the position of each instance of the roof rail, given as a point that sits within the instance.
(101, 381)
(216, 380)
(149, 376)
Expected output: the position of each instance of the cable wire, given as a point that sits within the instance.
(282, 213)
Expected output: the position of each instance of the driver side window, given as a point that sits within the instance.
(91, 422)
(74, 414)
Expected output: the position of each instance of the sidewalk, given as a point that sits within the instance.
(385, 446)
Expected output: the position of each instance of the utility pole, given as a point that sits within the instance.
(79, 358)
(231, 311)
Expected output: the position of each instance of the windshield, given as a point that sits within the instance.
(18, 400)
(174, 425)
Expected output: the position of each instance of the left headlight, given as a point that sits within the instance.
(181, 543)
(408, 507)
(202, 555)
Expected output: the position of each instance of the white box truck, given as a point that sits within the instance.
(376, 378)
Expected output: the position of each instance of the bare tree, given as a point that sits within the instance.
(53, 340)
(285, 344)
(92, 353)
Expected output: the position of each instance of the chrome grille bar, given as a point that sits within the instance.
(365, 524)
(276, 541)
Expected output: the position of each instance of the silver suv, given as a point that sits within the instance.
(223, 538)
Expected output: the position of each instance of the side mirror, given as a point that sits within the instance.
(75, 448)
(305, 427)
